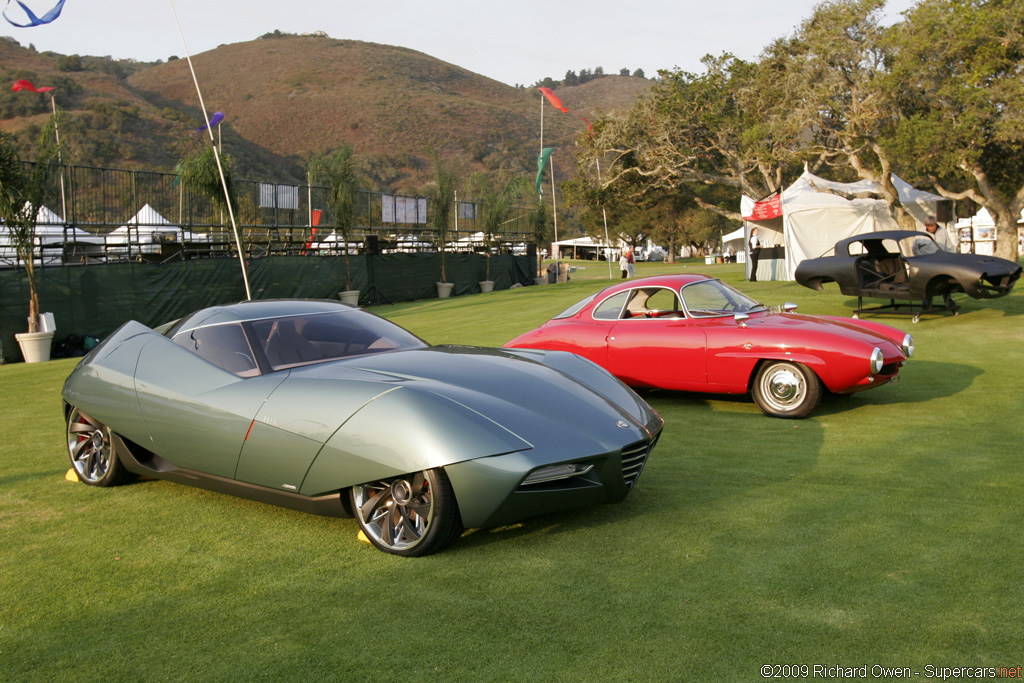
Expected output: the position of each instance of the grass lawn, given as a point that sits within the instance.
(883, 530)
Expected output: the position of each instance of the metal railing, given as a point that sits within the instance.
(123, 214)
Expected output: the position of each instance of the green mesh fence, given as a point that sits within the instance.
(96, 299)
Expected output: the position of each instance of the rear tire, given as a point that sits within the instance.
(93, 453)
(787, 390)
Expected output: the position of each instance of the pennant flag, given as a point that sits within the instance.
(33, 20)
(217, 117)
(553, 99)
(22, 84)
(542, 161)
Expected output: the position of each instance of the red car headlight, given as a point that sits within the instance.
(877, 361)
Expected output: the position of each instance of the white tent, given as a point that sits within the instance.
(584, 247)
(737, 241)
(814, 218)
(51, 235)
(148, 228)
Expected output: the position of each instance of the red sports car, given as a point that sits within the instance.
(695, 333)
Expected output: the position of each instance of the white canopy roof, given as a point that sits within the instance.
(815, 218)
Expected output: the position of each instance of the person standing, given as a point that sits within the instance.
(923, 246)
(755, 253)
(623, 264)
(630, 267)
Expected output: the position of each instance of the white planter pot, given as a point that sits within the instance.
(350, 297)
(35, 346)
(487, 285)
(444, 289)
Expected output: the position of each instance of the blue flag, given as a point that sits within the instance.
(33, 20)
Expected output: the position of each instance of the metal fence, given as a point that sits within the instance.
(102, 215)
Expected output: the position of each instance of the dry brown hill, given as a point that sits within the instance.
(288, 97)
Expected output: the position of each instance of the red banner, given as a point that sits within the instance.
(553, 99)
(22, 84)
(769, 207)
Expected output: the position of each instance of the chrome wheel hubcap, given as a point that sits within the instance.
(783, 388)
(396, 513)
(89, 446)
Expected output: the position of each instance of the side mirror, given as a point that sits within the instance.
(788, 307)
(741, 318)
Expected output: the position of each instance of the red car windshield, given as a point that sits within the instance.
(709, 298)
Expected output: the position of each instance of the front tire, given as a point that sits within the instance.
(786, 390)
(411, 515)
(93, 453)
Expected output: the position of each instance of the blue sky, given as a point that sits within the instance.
(513, 42)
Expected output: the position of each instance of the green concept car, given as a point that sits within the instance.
(321, 407)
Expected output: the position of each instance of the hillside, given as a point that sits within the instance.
(288, 97)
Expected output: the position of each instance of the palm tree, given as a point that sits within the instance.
(495, 207)
(200, 175)
(442, 197)
(22, 190)
(339, 171)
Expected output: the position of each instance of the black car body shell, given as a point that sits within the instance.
(862, 266)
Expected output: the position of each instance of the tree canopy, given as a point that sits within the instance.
(937, 98)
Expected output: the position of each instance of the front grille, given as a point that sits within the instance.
(633, 458)
(889, 369)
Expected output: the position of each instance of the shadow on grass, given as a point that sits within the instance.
(1008, 305)
(713, 449)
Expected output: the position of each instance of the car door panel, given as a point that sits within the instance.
(197, 414)
(667, 353)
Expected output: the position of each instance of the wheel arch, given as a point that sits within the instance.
(813, 363)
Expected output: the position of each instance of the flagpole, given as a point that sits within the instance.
(216, 157)
(60, 160)
(554, 212)
(604, 215)
(541, 194)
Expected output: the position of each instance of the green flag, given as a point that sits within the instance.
(542, 160)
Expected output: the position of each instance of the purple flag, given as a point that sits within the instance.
(217, 117)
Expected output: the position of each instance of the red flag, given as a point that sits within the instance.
(553, 99)
(22, 84)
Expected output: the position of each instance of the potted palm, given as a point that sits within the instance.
(442, 199)
(494, 212)
(339, 172)
(22, 190)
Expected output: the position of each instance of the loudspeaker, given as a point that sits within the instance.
(372, 244)
(944, 210)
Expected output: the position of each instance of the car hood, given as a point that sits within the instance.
(847, 328)
(520, 391)
(993, 265)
